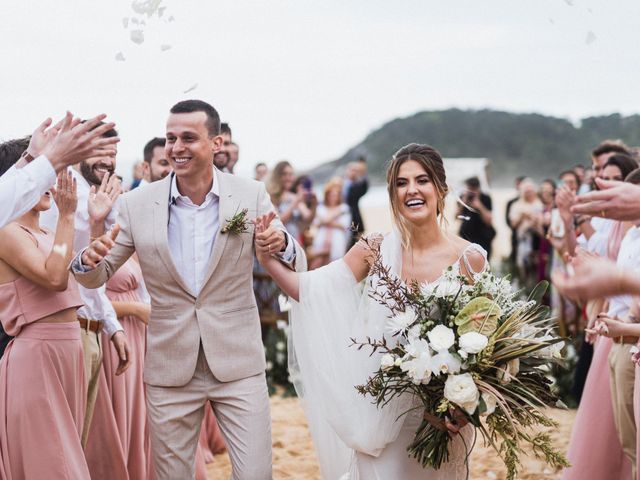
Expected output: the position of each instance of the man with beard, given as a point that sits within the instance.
(155, 166)
(98, 190)
(221, 158)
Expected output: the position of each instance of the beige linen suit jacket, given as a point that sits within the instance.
(223, 315)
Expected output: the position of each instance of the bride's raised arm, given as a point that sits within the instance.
(289, 281)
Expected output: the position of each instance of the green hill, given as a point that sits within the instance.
(517, 144)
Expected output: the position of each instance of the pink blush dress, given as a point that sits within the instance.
(42, 382)
(127, 390)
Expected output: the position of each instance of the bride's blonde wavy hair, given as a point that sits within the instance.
(431, 160)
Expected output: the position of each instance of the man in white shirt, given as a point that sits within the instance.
(51, 149)
(97, 313)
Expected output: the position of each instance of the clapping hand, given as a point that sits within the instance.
(588, 277)
(615, 200)
(102, 199)
(65, 194)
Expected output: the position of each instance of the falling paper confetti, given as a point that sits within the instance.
(120, 57)
(145, 6)
(125, 22)
(191, 88)
(135, 21)
(170, 19)
(569, 2)
(591, 37)
(164, 48)
(161, 11)
(552, 21)
(137, 36)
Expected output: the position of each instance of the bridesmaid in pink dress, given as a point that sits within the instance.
(42, 380)
(127, 390)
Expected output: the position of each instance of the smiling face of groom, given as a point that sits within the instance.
(193, 138)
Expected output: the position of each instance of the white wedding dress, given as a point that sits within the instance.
(354, 439)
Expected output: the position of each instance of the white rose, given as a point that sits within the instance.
(462, 390)
(447, 288)
(445, 363)
(401, 322)
(441, 338)
(426, 289)
(490, 401)
(387, 361)
(473, 342)
(507, 372)
(463, 355)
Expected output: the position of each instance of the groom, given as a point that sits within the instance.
(203, 339)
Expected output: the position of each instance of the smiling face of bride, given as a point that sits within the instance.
(417, 186)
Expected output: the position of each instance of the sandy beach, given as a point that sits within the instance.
(294, 458)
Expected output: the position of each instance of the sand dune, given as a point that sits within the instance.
(294, 458)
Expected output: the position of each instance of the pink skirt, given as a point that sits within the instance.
(42, 404)
(595, 452)
(119, 446)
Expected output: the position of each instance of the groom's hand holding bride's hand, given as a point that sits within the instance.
(100, 247)
(268, 239)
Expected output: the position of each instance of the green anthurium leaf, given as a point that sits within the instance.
(479, 315)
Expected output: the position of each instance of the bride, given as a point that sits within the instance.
(354, 438)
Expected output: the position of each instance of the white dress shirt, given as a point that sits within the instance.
(96, 303)
(192, 232)
(21, 188)
(628, 259)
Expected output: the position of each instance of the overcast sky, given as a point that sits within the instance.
(305, 80)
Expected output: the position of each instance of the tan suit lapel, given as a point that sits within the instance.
(227, 208)
(161, 237)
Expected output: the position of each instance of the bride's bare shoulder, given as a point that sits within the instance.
(473, 258)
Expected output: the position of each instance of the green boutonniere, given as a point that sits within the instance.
(237, 224)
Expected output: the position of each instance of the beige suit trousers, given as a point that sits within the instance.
(92, 364)
(241, 408)
(623, 372)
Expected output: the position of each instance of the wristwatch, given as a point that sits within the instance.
(27, 156)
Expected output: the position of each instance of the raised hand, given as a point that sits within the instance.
(261, 237)
(100, 247)
(565, 198)
(615, 200)
(75, 141)
(65, 194)
(102, 199)
(271, 239)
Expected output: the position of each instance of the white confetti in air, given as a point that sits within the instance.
(591, 37)
(137, 36)
(170, 19)
(135, 21)
(191, 88)
(120, 57)
(125, 22)
(148, 7)
(552, 21)
(569, 2)
(142, 22)
(164, 48)
(161, 11)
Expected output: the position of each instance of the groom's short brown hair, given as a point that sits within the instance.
(189, 106)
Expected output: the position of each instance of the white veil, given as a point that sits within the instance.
(325, 369)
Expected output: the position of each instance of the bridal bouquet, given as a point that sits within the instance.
(471, 348)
